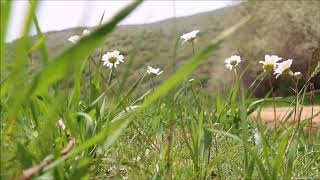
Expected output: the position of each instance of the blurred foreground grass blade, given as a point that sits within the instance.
(94, 81)
(38, 43)
(76, 92)
(115, 129)
(15, 82)
(43, 46)
(69, 60)
(5, 11)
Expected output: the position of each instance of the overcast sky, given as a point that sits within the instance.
(63, 14)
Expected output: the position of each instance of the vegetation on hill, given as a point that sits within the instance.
(286, 28)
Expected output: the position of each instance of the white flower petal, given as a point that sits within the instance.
(191, 36)
(112, 59)
(154, 71)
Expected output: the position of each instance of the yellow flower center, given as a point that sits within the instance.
(234, 62)
(191, 39)
(112, 60)
(286, 71)
(268, 67)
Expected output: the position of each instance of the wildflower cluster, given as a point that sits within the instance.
(270, 64)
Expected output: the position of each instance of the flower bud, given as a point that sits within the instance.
(297, 75)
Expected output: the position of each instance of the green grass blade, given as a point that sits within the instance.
(280, 154)
(260, 165)
(226, 134)
(102, 16)
(112, 133)
(38, 43)
(15, 82)
(5, 11)
(43, 46)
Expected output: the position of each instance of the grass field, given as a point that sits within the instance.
(61, 123)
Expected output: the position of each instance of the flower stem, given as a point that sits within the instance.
(312, 94)
(235, 74)
(110, 76)
(192, 43)
(296, 105)
(152, 83)
(294, 117)
(273, 102)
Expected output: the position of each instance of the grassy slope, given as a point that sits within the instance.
(156, 42)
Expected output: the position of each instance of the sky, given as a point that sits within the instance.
(63, 14)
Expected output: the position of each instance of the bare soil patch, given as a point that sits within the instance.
(286, 115)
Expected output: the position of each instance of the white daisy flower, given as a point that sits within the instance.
(154, 71)
(269, 63)
(297, 75)
(74, 39)
(189, 37)
(232, 61)
(86, 32)
(283, 68)
(112, 59)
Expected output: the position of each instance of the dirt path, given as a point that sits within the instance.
(283, 113)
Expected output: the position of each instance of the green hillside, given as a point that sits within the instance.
(295, 35)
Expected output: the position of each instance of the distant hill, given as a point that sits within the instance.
(276, 28)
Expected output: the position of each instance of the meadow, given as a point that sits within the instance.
(79, 116)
